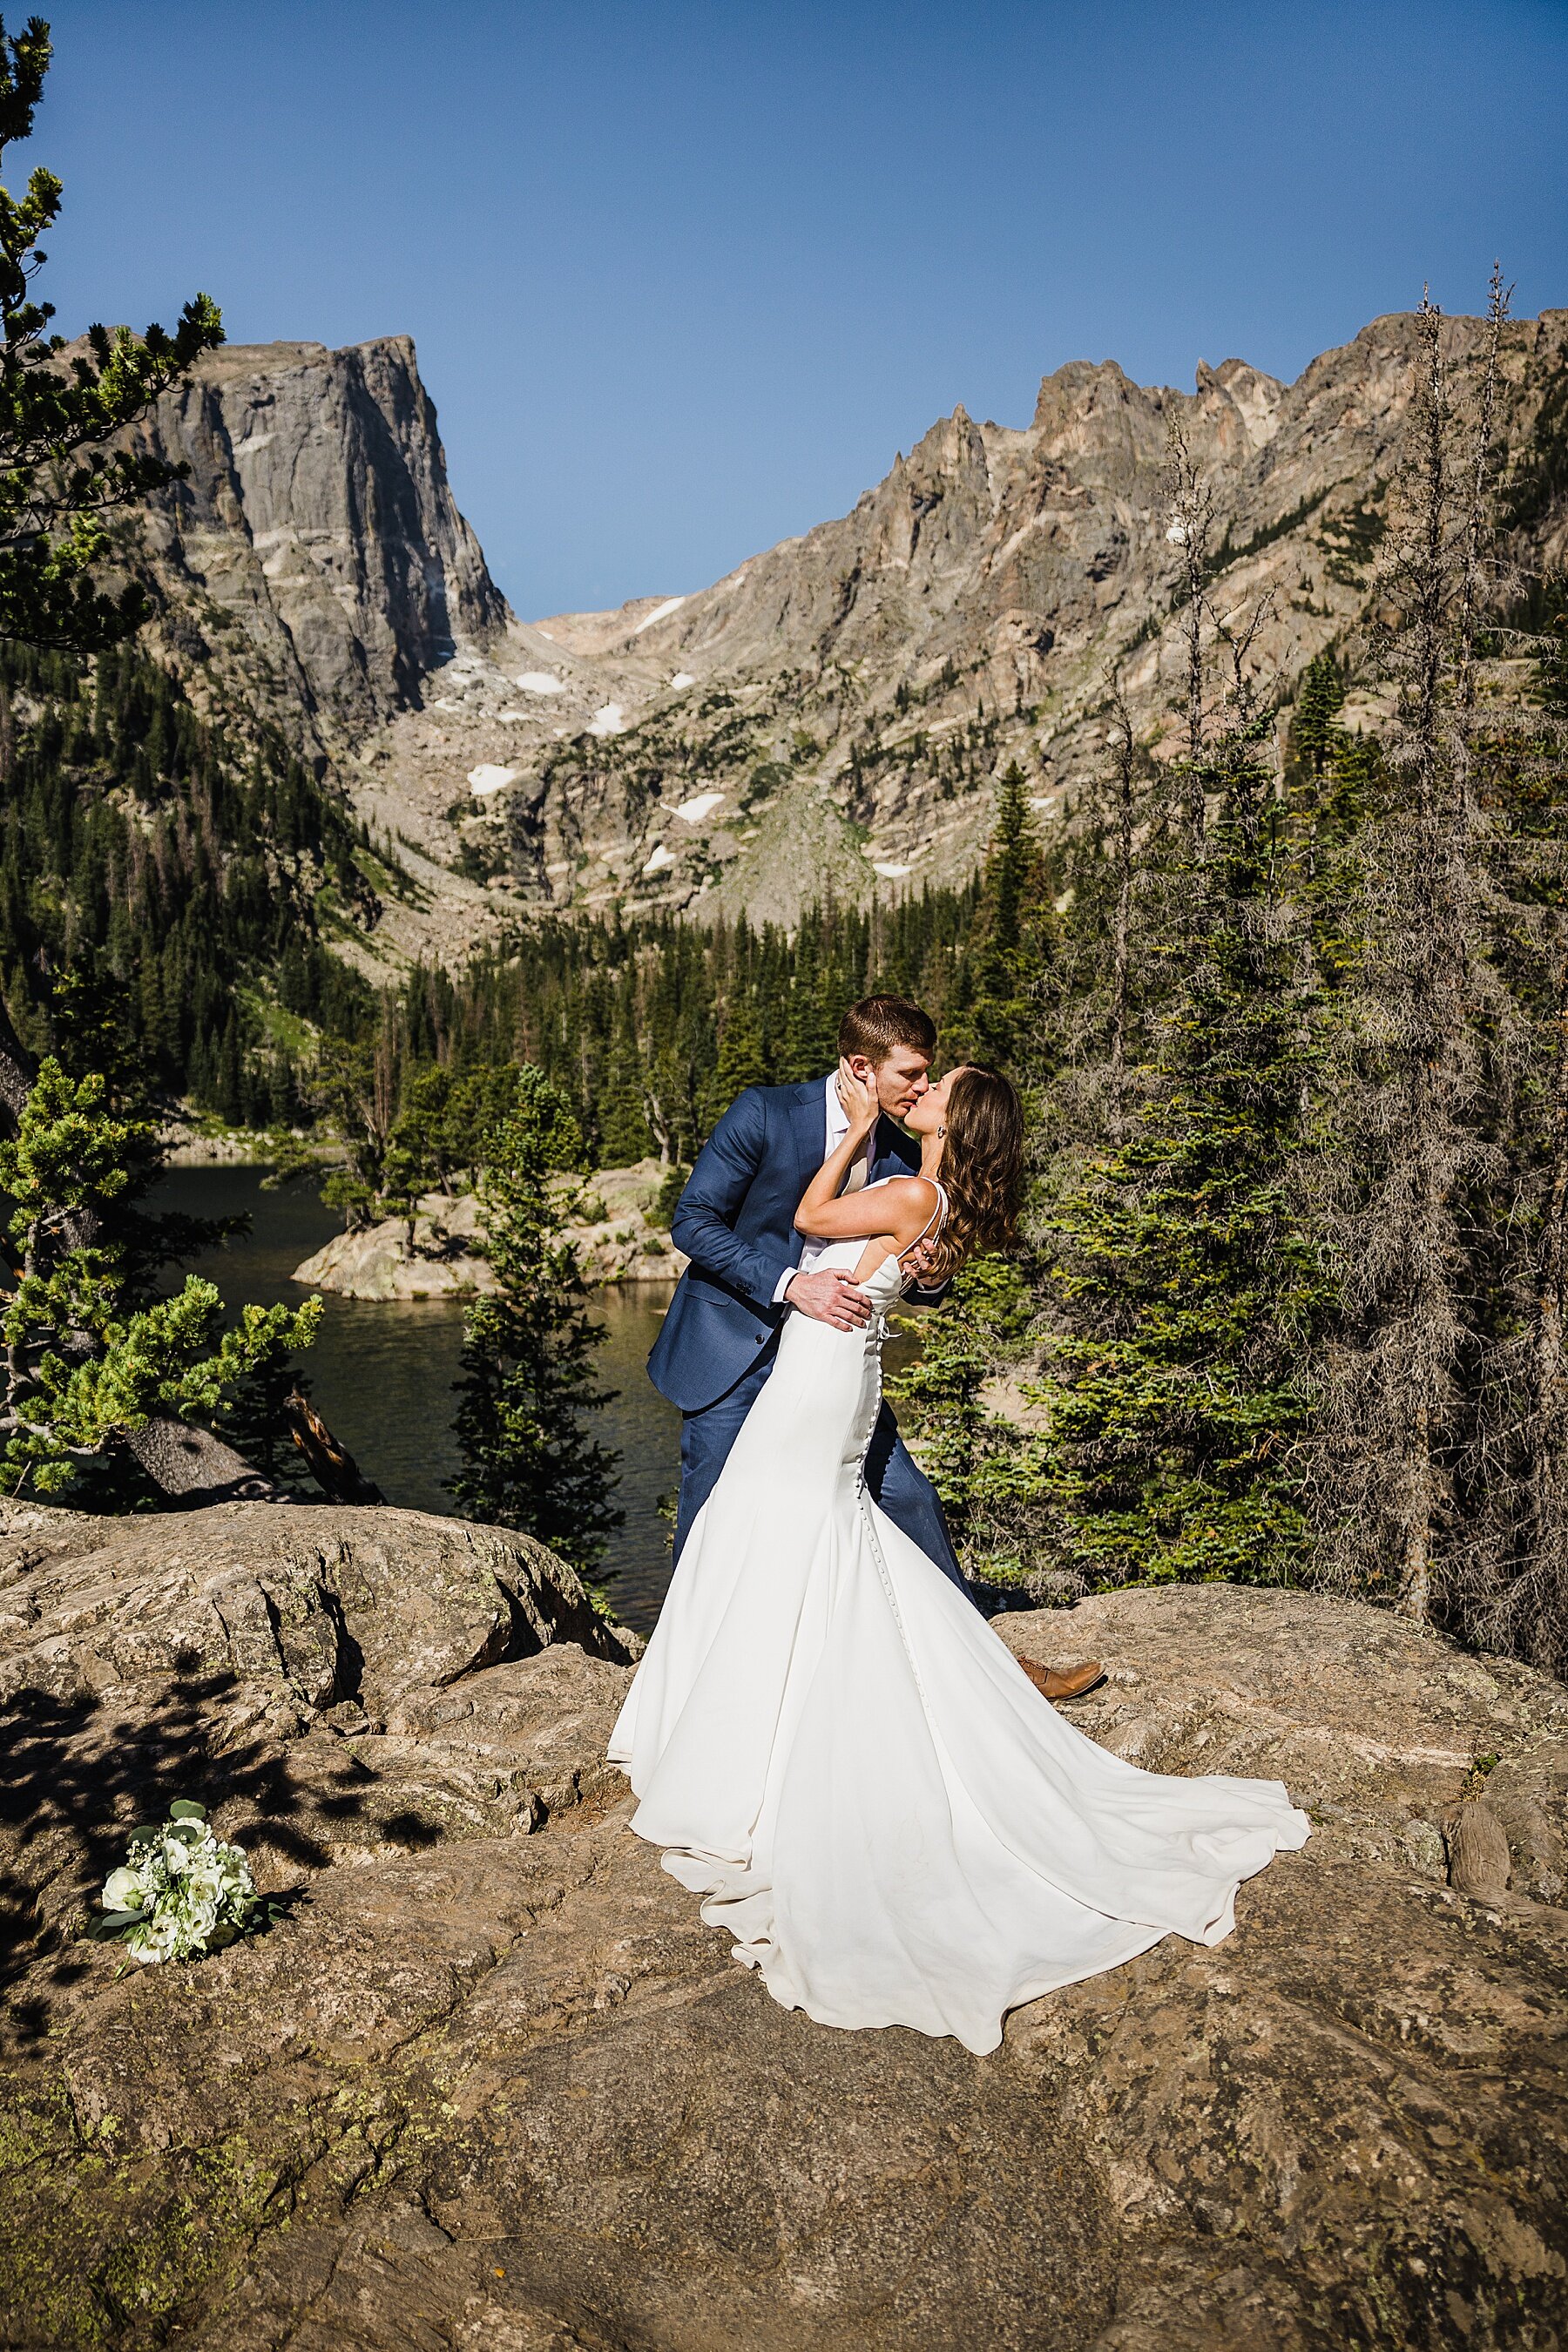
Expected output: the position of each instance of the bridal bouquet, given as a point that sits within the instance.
(179, 1891)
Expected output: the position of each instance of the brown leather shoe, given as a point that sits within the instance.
(1065, 1682)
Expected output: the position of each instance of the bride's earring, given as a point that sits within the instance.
(939, 1133)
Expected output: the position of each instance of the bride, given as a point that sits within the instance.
(830, 1743)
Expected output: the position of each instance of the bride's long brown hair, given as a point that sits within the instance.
(981, 1169)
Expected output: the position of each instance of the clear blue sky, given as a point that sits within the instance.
(683, 273)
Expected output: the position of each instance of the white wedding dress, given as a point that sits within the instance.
(839, 1755)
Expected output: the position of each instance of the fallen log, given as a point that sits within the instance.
(330, 1462)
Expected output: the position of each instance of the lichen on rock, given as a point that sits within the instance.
(492, 2083)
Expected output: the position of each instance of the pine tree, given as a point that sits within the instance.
(1011, 937)
(812, 1045)
(527, 1361)
(89, 1362)
(1184, 1292)
(1332, 780)
(59, 477)
(623, 1121)
(1315, 730)
(741, 1062)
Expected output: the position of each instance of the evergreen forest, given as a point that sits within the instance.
(1287, 994)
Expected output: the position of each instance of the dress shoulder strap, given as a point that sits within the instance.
(938, 1215)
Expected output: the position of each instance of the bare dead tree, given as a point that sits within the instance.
(1392, 1408)
(1123, 745)
(1514, 1573)
(1190, 529)
(1515, 1582)
(1480, 527)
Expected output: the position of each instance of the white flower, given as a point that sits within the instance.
(201, 1919)
(237, 1882)
(154, 1939)
(193, 1893)
(177, 1845)
(1177, 533)
(124, 1890)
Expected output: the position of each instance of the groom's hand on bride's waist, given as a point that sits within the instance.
(830, 1297)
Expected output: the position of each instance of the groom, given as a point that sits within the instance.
(735, 1221)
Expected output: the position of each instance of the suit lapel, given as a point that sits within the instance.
(886, 1159)
(808, 1126)
(808, 1131)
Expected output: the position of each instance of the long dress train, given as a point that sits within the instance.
(837, 1753)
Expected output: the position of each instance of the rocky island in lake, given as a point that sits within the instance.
(432, 1253)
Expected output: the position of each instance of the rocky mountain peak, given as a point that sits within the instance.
(838, 706)
(1255, 397)
(315, 554)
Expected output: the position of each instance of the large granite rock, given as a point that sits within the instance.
(312, 574)
(432, 1254)
(493, 2084)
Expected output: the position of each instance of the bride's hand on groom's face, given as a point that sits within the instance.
(858, 1096)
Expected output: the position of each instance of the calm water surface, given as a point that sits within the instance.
(382, 1370)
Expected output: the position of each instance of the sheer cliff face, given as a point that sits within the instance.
(315, 557)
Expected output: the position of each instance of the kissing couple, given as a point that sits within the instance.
(870, 1794)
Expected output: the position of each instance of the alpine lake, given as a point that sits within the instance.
(380, 1372)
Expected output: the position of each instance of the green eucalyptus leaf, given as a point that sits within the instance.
(104, 1926)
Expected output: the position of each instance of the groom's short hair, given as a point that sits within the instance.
(878, 1024)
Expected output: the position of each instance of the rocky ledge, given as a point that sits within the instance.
(490, 2085)
(439, 1253)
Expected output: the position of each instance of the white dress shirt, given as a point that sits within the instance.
(837, 1128)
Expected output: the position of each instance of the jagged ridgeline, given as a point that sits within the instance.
(192, 883)
(825, 725)
(828, 721)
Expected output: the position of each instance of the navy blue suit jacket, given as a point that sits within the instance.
(735, 1221)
